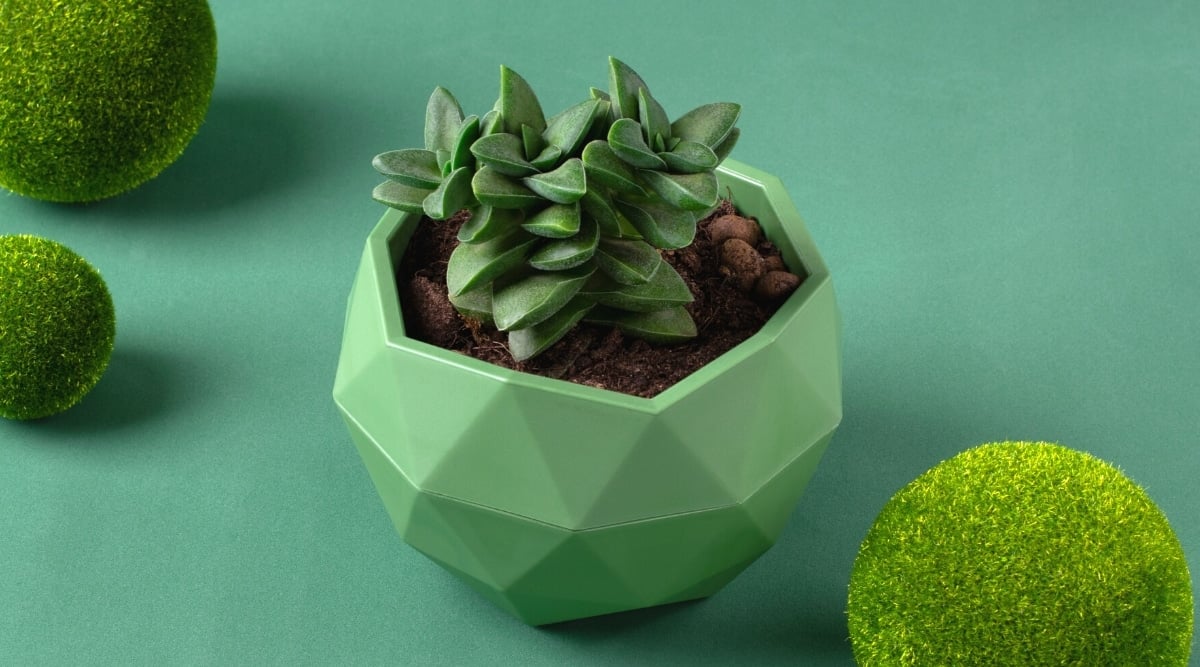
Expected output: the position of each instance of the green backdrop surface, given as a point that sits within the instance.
(1007, 198)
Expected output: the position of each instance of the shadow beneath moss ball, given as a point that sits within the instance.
(250, 146)
(138, 386)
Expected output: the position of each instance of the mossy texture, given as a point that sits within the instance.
(1021, 554)
(99, 97)
(57, 326)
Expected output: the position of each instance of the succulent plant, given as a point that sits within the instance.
(567, 215)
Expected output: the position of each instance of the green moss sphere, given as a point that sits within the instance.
(57, 326)
(1021, 554)
(98, 97)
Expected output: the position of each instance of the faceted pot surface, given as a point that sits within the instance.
(560, 501)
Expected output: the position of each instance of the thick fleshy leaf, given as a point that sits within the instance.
(504, 153)
(597, 207)
(691, 192)
(598, 94)
(670, 325)
(603, 166)
(690, 157)
(476, 304)
(568, 129)
(518, 104)
(488, 222)
(452, 196)
(557, 221)
(443, 160)
(495, 189)
(461, 156)
(473, 265)
(536, 297)
(665, 289)
(603, 120)
(655, 122)
(708, 124)
(443, 117)
(658, 145)
(410, 166)
(532, 142)
(531, 341)
(562, 254)
(546, 160)
(401, 196)
(661, 225)
(726, 147)
(627, 261)
(491, 123)
(564, 185)
(623, 86)
(625, 139)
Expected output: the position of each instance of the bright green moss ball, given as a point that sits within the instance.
(57, 327)
(99, 96)
(1021, 554)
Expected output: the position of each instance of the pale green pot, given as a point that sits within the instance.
(559, 501)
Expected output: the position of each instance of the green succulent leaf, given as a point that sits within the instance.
(504, 153)
(654, 119)
(532, 141)
(564, 185)
(723, 150)
(625, 139)
(562, 254)
(568, 129)
(410, 166)
(665, 289)
(443, 160)
(670, 325)
(597, 207)
(473, 265)
(453, 195)
(518, 105)
(546, 160)
(603, 166)
(493, 188)
(627, 261)
(475, 304)
(659, 145)
(690, 157)
(660, 224)
(443, 117)
(398, 195)
(461, 156)
(488, 222)
(536, 297)
(531, 341)
(709, 124)
(623, 86)
(598, 94)
(557, 221)
(691, 192)
(491, 123)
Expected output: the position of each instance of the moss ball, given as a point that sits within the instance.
(1020, 553)
(57, 327)
(99, 97)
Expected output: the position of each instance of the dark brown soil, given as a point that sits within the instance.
(725, 315)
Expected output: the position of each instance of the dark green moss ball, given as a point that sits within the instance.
(1021, 554)
(98, 97)
(57, 326)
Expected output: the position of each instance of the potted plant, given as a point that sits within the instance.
(555, 500)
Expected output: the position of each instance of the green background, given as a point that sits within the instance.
(1007, 198)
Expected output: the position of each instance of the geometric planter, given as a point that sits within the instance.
(559, 501)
